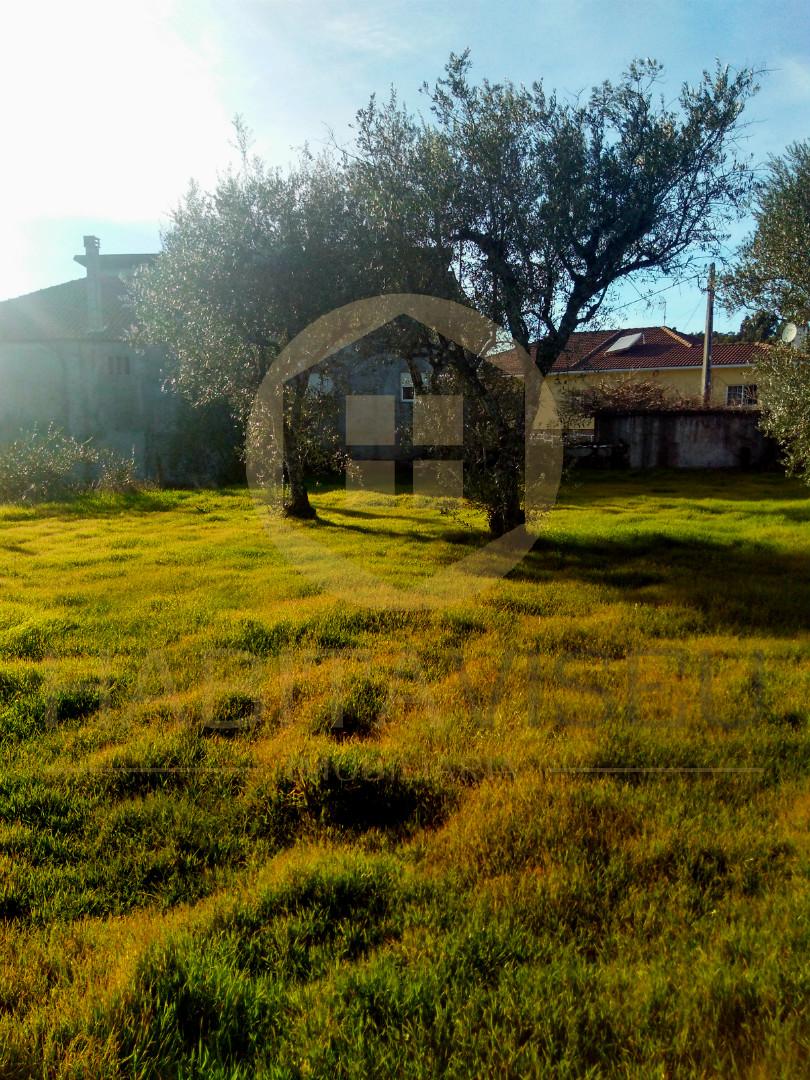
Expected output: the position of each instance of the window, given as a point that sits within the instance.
(741, 395)
(406, 386)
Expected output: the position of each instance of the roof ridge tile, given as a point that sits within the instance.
(678, 337)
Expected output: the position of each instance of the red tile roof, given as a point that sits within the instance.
(659, 347)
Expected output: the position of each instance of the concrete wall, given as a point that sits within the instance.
(689, 439)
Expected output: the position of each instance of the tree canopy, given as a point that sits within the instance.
(783, 382)
(547, 203)
(508, 198)
(773, 271)
(762, 325)
(773, 267)
(249, 265)
(246, 267)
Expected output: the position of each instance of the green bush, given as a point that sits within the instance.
(38, 467)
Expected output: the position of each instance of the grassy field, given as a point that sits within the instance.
(249, 831)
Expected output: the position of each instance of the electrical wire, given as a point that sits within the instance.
(675, 285)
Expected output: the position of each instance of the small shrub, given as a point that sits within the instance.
(38, 467)
(629, 393)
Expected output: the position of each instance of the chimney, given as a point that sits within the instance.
(95, 316)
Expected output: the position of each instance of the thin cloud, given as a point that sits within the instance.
(368, 32)
(793, 83)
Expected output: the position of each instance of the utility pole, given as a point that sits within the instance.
(706, 379)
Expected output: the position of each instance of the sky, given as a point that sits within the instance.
(109, 108)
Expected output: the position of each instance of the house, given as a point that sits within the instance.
(657, 354)
(65, 360)
(383, 378)
(724, 434)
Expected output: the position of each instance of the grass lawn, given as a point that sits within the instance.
(250, 831)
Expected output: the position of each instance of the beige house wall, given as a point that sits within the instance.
(684, 381)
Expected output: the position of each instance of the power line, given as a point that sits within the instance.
(692, 312)
(675, 285)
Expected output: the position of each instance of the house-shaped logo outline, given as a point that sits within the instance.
(344, 577)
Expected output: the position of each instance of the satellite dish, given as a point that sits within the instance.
(790, 332)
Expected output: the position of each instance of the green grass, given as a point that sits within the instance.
(559, 830)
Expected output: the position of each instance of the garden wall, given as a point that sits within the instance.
(688, 438)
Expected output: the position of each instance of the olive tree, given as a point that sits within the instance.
(547, 204)
(783, 384)
(527, 207)
(773, 272)
(244, 268)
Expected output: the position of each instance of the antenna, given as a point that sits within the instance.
(795, 335)
(789, 333)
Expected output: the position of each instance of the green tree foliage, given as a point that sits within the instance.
(244, 269)
(773, 271)
(761, 326)
(546, 203)
(527, 207)
(783, 381)
(249, 265)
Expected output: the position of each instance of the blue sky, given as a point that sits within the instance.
(110, 107)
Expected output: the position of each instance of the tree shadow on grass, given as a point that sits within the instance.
(739, 588)
(92, 506)
(800, 515)
(353, 512)
(691, 485)
(461, 537)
